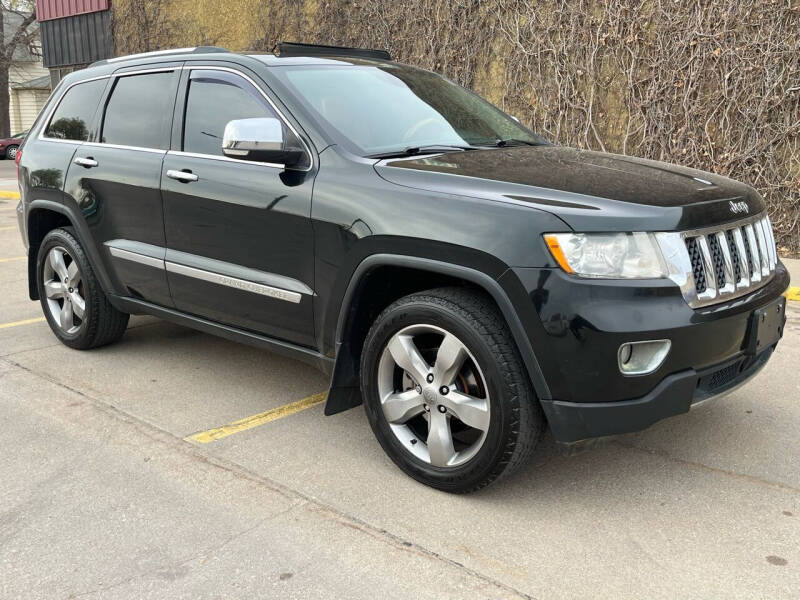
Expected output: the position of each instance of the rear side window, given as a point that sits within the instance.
(214, 99)
(139, 112)
(73, 116)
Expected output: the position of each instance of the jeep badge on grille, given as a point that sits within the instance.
(739, 207)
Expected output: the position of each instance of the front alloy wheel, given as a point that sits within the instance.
(445, 390)
(433, 395)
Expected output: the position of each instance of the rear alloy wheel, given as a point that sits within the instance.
(11, 152)
(77, 310)
(445, 390)
(64, 290)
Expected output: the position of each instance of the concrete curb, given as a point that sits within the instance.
(793, 266)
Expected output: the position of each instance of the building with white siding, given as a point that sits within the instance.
(28, 80)
(29, 85)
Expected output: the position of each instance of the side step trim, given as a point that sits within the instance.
(302, 353)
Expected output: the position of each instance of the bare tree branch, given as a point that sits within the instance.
(711, 85)
(20, 35)
(24, 35)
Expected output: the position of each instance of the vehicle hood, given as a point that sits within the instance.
(590, 191)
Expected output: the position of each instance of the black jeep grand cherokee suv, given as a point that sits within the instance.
(465, 278)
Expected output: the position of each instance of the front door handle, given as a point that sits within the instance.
(86, 162)
(182, 176)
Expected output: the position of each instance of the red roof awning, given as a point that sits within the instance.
(47, 10)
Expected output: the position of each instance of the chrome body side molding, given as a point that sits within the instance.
(142, 259)
(213, 271)
(138, 252)
(241, 284)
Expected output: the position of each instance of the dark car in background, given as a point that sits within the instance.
(467, 280)
(9, 146)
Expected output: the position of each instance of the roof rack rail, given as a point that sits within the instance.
(298, 49)
(194, 50)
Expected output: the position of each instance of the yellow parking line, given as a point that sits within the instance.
(204, 437)
(2, 260)
(23, 322)
(9, 195)
(9, 228)
(793, 293)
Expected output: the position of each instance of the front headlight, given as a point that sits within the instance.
(608, 255)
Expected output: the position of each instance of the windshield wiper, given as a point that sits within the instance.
(514, 142)
(415, 150)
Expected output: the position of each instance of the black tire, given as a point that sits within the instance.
(102, 323)
(516, 419)
(11, 151)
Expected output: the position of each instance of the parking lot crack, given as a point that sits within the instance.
(743, 476)
(180, 565)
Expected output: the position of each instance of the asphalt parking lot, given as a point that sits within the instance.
(106, 494)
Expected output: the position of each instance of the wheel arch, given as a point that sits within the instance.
(353, 322)
(42, 217)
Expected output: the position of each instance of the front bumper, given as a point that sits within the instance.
(582, 323)
(576, 421)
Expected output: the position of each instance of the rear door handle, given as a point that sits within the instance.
(183, 176)
(86, 162)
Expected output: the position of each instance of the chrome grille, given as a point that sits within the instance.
(737, 260)
(716, 258)
(720, 263)
(697, 264)
(747, 252)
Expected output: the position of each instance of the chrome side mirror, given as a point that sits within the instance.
(260, 139)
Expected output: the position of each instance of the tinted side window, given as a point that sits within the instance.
(139, 112)
(213, 100)
(73, 116)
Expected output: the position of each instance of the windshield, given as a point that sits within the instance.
(386, 108)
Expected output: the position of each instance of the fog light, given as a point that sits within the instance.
(641, 358)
